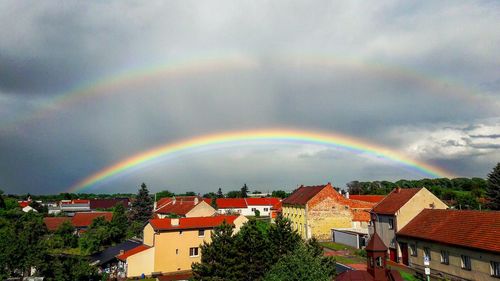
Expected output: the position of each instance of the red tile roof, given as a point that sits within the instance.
(367, 198)
(53, 223)
(167, 200)
(360, 215)
(354, 275)
(23, 204)
(303, 194)
(85, 219)
(108, 203)
(231, 203)
(470, 229)
(132, 252)
(395, 200)
(266, 201)
(191, 223)
(180, 208)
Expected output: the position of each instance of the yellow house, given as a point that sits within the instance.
(315, 210)
(173, 244)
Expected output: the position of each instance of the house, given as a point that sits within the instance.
(173, 244)
(233, 206)
(183, 206)
(315, 210)
(397, 209)
(81, 221)
(103, 204)
(53, 223)
(75, 205)
(263, 205)
(458, 244)
(376, 253)
(106, 260)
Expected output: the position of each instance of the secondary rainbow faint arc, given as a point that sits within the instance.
(320, 138)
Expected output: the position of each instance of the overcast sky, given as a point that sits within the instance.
(419, 77)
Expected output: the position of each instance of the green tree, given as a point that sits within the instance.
(279, 194)
(164, 194)
(142, 207)
(2, 202)
(244, 191)
(300, 265)
(283, 239)
(493, 188)
(233, 194)
(467, 201)
(96, 237)
(66, 233)
(219, 193)
(253, 252)
(64, 267)
(119, 224)
(219, 258)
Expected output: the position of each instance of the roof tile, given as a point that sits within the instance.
(191, 223)
(395, 200)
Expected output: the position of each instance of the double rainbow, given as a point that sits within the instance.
(276, 135)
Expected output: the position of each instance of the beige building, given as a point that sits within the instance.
(396, 210)
(315, 210)
(173, 244)
(458, 245)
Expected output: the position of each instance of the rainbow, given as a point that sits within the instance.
(138, 76)
(278, 135)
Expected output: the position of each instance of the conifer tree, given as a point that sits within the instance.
(253, 252)
(283, 239)
(493, 188)
(244, 191)
(219, 258)
(219, 193)
(142, 207)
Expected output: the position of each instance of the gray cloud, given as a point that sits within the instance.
(392, 74)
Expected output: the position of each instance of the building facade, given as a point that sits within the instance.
(396, 210)
(459, 245)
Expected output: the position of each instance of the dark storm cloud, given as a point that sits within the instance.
(417, 77)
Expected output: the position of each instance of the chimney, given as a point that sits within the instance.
(347, 194)
(398, 189)
(173, 200)
(174, 222)
(196, 200)
(121, 252)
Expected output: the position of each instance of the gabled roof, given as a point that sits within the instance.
(265, 201)
(75, 201)
(303, 194)
(85, 219)
(53, 223)
(132, 252)
(168, 200)
(108, 203)
(376, 244)
(463, 228)
(178, 207)
(367, 198)
(23, 204)
(191, 223)
(395, 200)
(231, 203)
(360, 215)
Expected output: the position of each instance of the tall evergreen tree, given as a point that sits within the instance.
(219, 193)
(219, 258)
(253, 252)
(244, 191)
(2, 202)
(142, 207)
(283, 239)
(493, 188)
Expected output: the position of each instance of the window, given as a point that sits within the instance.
(427, 253)
(253, 209)
(180, 232)
(445, 257)
(193, 252)
(201, 233)
(379, 262)
(176, 251)
(371, 261)
(466, 262)
(495, 268)
(413, 250)
(391, 223)
(266, 209)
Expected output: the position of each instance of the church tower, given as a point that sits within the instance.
(376, 253)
